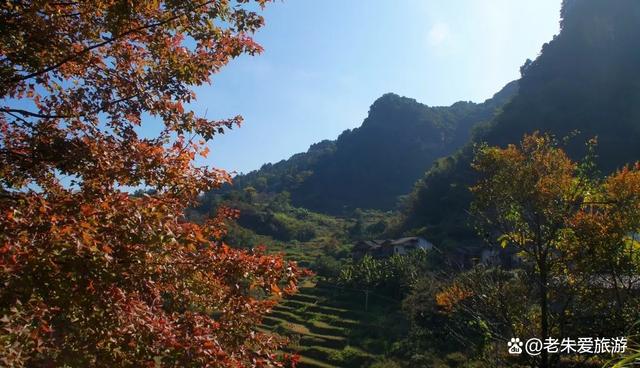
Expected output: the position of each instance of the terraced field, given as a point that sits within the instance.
(327, 327)
(303, 253)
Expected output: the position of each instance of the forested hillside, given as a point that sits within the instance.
(370, 166)
(586, 79)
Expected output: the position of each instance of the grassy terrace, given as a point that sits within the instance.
(328, 327)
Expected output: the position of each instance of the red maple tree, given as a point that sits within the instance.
(92, 275)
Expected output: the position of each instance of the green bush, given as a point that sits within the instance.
(327, 266)
(350, 357)
(386, 364)
(456, 359)
(374, 344)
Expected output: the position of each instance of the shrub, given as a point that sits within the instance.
(350, 357)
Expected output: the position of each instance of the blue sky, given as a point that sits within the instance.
(326, 61)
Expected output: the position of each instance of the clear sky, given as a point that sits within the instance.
(326, 61)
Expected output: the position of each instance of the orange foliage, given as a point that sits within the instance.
(448, 298)
(92, 275)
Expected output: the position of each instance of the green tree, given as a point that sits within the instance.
(534, 197)
(250, 194)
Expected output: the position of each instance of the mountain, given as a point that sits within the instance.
(586, 79)
(370, 166)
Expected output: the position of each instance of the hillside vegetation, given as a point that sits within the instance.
(370, 166)
(585, 80)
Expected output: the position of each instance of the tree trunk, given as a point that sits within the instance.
(544, 312)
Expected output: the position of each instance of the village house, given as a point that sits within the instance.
(472, 254)
(404, 245)
(490, 257)
(504, 257)
(367, 247)
(388, 247)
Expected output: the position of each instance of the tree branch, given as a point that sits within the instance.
(22, 112)
(100, 44)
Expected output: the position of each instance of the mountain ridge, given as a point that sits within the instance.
(586, 79)
(396, 143)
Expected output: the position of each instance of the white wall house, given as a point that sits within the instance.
(490, 257)
(405, 245)
(389, 247)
